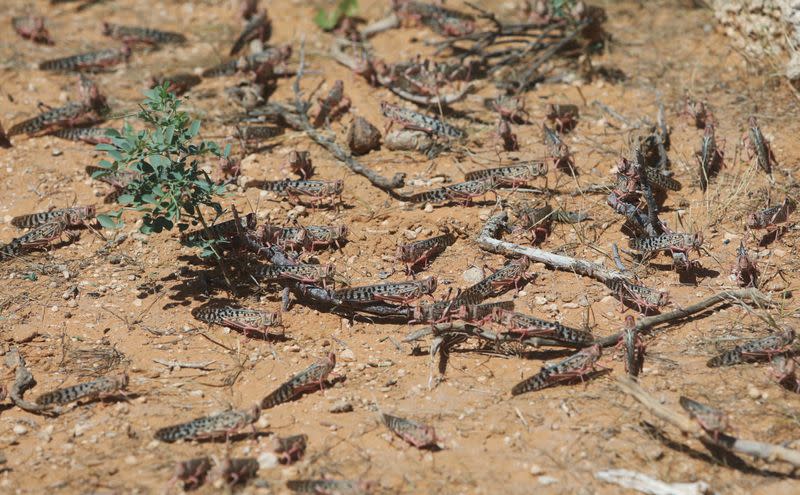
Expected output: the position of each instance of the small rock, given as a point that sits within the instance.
(776, 285)
(654, 453)
(363, 137)
(546, 480)
(267, 460)
(428, 208)
(540, 300)
(408, 140)
(20, 429)
(341, 406)
(536, 470)
(46, 434)
(56, 152)
(473, 275)
(81, 428)
(131, 460)
(608, 300)
(753, 392)
(347, 355)
(410, 234)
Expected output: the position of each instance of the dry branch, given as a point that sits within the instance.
(481, 333)
(760, 450)
(301, 120)
(446, 99)
(487, 240)
(645, 484)
(728, 296)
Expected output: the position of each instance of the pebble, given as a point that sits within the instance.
(410, 234)
(654, 453)
(540, 300)
(46, 434)
(547, 480)
(472, 275)
(20, 429)
(363, 137)
(347, 355)
(428, 208)
(536, 469)
(81, 428)
(341, 406)
(56, 152)
(267, 460)
(608, 300)
(753, 392)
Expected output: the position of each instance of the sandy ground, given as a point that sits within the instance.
(74, 313)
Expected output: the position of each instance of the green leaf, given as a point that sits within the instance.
(107, 222)
(348, 8)
(194, 129)
(125, 199)
(324, 21)
(328, 21)
(105, 147)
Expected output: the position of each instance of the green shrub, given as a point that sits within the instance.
(170, 189)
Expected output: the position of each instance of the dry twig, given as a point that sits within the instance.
(487, 241)
(728, 296)
(760, 450)
(301, 118)
(645, 484)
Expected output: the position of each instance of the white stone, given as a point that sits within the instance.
(547, 480)
(472, 275)
(267, 460)
(536, 469)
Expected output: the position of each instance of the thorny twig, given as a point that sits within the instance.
(760, 450)
(728, 296)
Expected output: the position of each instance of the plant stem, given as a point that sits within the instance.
(219, 258)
